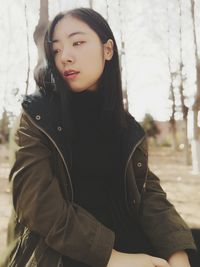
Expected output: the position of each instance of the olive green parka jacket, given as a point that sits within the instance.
(47, 222)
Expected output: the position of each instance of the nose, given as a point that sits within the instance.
(67, 57)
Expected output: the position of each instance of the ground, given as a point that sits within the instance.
(178, 180)
(181, 185)
(5, 196)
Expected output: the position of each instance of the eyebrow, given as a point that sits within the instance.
(68, 36)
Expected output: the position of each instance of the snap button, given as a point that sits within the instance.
(139, 164)
(59, 128)
(25, 104)
(38, 117)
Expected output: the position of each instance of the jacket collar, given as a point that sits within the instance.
(43, 108)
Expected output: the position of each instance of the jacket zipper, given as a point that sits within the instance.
(60, 263)
(129, 158)
(60, 153)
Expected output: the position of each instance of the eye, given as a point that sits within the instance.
(56, 51)
(78, 43)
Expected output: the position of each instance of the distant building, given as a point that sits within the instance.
(165, 135)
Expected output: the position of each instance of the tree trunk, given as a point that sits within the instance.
(28, 51)
(195, 145)
(40, 30)
(172, 118)
(122, 53)
(196, 105)
(91, 3)
(172, 95)
(107, 10)
(186, 142)
(174, 133)
(184, 108)
(4, 127)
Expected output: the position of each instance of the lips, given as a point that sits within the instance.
(68, 73)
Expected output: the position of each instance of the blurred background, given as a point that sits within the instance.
(159, 47)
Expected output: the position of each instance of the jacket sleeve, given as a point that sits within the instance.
(67, 228)
(161, 222)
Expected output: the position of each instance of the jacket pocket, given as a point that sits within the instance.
(14, 251)
(44, 256)
(37, 255)
(23, 249)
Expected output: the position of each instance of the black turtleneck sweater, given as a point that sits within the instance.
(95, 156)
(95, 159)
(97, 174)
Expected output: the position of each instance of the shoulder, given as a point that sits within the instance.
(40, 103)
(38, 98)
(133, 124)
(135, 128)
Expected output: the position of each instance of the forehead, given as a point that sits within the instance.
(68, 25)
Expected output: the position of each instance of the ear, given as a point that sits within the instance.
(108, 49)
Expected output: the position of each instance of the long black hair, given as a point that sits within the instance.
(110, 84)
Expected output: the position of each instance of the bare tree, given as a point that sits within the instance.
(107, 10)
(91, 3)
(184, 108)
(121, 55)
(173, 109)
(28, 50)
(196, 104)
(4, 127)
(40, 30)
(172, 91)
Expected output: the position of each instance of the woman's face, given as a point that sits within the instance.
(79, 54)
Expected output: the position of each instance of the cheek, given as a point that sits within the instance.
(93, 52)
(95, 60)
(58, 65)
(94, 72)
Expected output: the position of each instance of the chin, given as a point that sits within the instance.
(78, 90)
(82, 89)
(81, 86)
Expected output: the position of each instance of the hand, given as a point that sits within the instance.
(119, 259)
(179, 258)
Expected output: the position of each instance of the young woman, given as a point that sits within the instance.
(82, 191)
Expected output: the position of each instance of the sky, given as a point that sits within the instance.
(143, 25)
